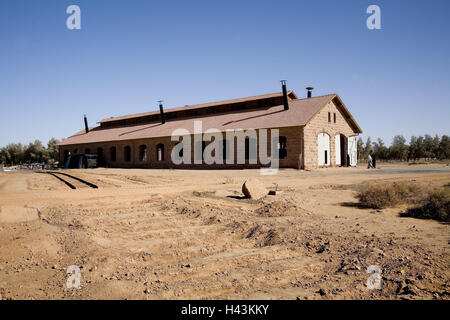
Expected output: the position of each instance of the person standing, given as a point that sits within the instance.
(374, 162)
(369, 162)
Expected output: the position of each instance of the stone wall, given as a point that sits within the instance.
(293, 137)
(320, 124)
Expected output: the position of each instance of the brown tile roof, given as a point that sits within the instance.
(300, 112)
(199, 106)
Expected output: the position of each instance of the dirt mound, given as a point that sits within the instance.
(278, 208)
(263, 236)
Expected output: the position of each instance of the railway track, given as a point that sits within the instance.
(71, 181)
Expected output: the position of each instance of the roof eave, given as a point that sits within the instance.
(350, 117)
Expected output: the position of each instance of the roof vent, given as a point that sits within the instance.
(285, 97)
(86, 128)
(310, 89)
(161, 112)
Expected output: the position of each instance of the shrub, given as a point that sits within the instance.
(436, 206)
(382, 195)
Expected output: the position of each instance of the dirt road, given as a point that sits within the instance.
(188, 234)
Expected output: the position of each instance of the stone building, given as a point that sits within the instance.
(312, 132)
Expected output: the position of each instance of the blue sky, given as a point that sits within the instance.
(129, 54)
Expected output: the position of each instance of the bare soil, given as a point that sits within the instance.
(189, 234)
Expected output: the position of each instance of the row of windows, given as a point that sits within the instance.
(282, 148)
(142, 153)
(334, 117)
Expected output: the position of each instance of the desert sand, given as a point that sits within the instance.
(189, 234)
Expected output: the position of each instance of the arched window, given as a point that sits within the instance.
(224, 149)
(143, 153)
(100, 160)
(250, 150)
(113, 154)
(127, 153)
(160, 152)
(247, 148)
(282, 147)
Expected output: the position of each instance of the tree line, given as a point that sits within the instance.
(17, 153)
(422, 147)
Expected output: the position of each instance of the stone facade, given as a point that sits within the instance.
(320, 124)
(293, 145)
(301, 145)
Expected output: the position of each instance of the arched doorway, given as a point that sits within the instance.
(323, 143)
(337, 149)
(340, 146)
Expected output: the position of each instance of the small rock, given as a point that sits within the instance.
(254, 189)
(321, 292)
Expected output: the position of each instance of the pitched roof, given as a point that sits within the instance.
(300, 112)
(202, 105)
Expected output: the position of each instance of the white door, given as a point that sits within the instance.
(352, 151)
(337, 148)
(323, 141)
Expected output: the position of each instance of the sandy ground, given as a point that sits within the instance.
(188, 234)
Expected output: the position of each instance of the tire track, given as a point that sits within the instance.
(73, 182)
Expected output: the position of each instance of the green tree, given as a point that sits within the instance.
(4, 156)
(398, 149)
(367, 148)
(36, 152)
(52, 149)
(380, 151)
(444, 148)
(14, 153)
(416, 148)
(430, 146)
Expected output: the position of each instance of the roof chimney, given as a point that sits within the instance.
(285, 97)
(161, 111)
(86, 128)
(309, 91)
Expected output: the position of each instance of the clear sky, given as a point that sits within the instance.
(129, 54)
